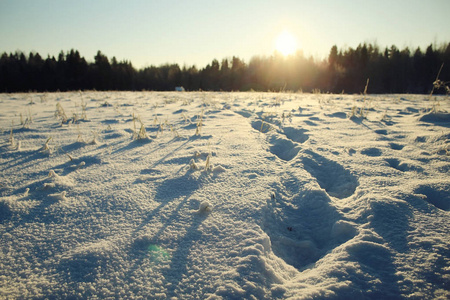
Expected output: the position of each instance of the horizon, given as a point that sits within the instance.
(195, 33)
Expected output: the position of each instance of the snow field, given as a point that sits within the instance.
(224, 196)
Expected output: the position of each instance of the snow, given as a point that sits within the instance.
(202, 195)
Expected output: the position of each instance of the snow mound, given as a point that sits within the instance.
(6, 209)
(218, 169)
(85, 263)
(54, 180)
(204, 207)
(439, 118)
(59, 196)
(343, 230)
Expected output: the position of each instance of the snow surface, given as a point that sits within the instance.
(224, 196)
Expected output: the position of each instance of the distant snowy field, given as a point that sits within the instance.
(198, 195)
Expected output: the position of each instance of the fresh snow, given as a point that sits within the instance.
(201, 195)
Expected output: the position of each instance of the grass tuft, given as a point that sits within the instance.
(199, 124)
(11, 135)
(142, 133)
(208, 165)
(438, 84)
(61, 114)
(46, 148)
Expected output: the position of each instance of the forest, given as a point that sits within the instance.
(390, 70)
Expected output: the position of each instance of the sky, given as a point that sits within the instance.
(197, 31)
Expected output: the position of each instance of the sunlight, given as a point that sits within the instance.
(286, 43)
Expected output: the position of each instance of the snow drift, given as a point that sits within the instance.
(224, 196)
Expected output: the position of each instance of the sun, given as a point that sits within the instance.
(286, 43)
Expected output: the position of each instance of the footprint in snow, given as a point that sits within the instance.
(371, 152)
(296, 134)
(283, 148)
(435, 194)
(302, 224)
(331, 176)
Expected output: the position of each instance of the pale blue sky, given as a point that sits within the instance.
(197, 31)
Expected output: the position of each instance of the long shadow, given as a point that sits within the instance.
(81, 162)
(83, 267)
(168, 190)
(148, 152)
(143, 246)
(40, 212)
(359, 121)
(24, 156)
(176, 187)
(179, 263)
(133, 144)
(74, 146)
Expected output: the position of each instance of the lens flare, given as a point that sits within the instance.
(157, 253)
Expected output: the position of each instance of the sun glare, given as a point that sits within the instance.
(286, 43)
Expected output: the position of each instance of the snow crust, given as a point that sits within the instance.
(201, 195)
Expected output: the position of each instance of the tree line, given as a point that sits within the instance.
(390, 70)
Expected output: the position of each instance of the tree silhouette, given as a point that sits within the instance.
(390, 71)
